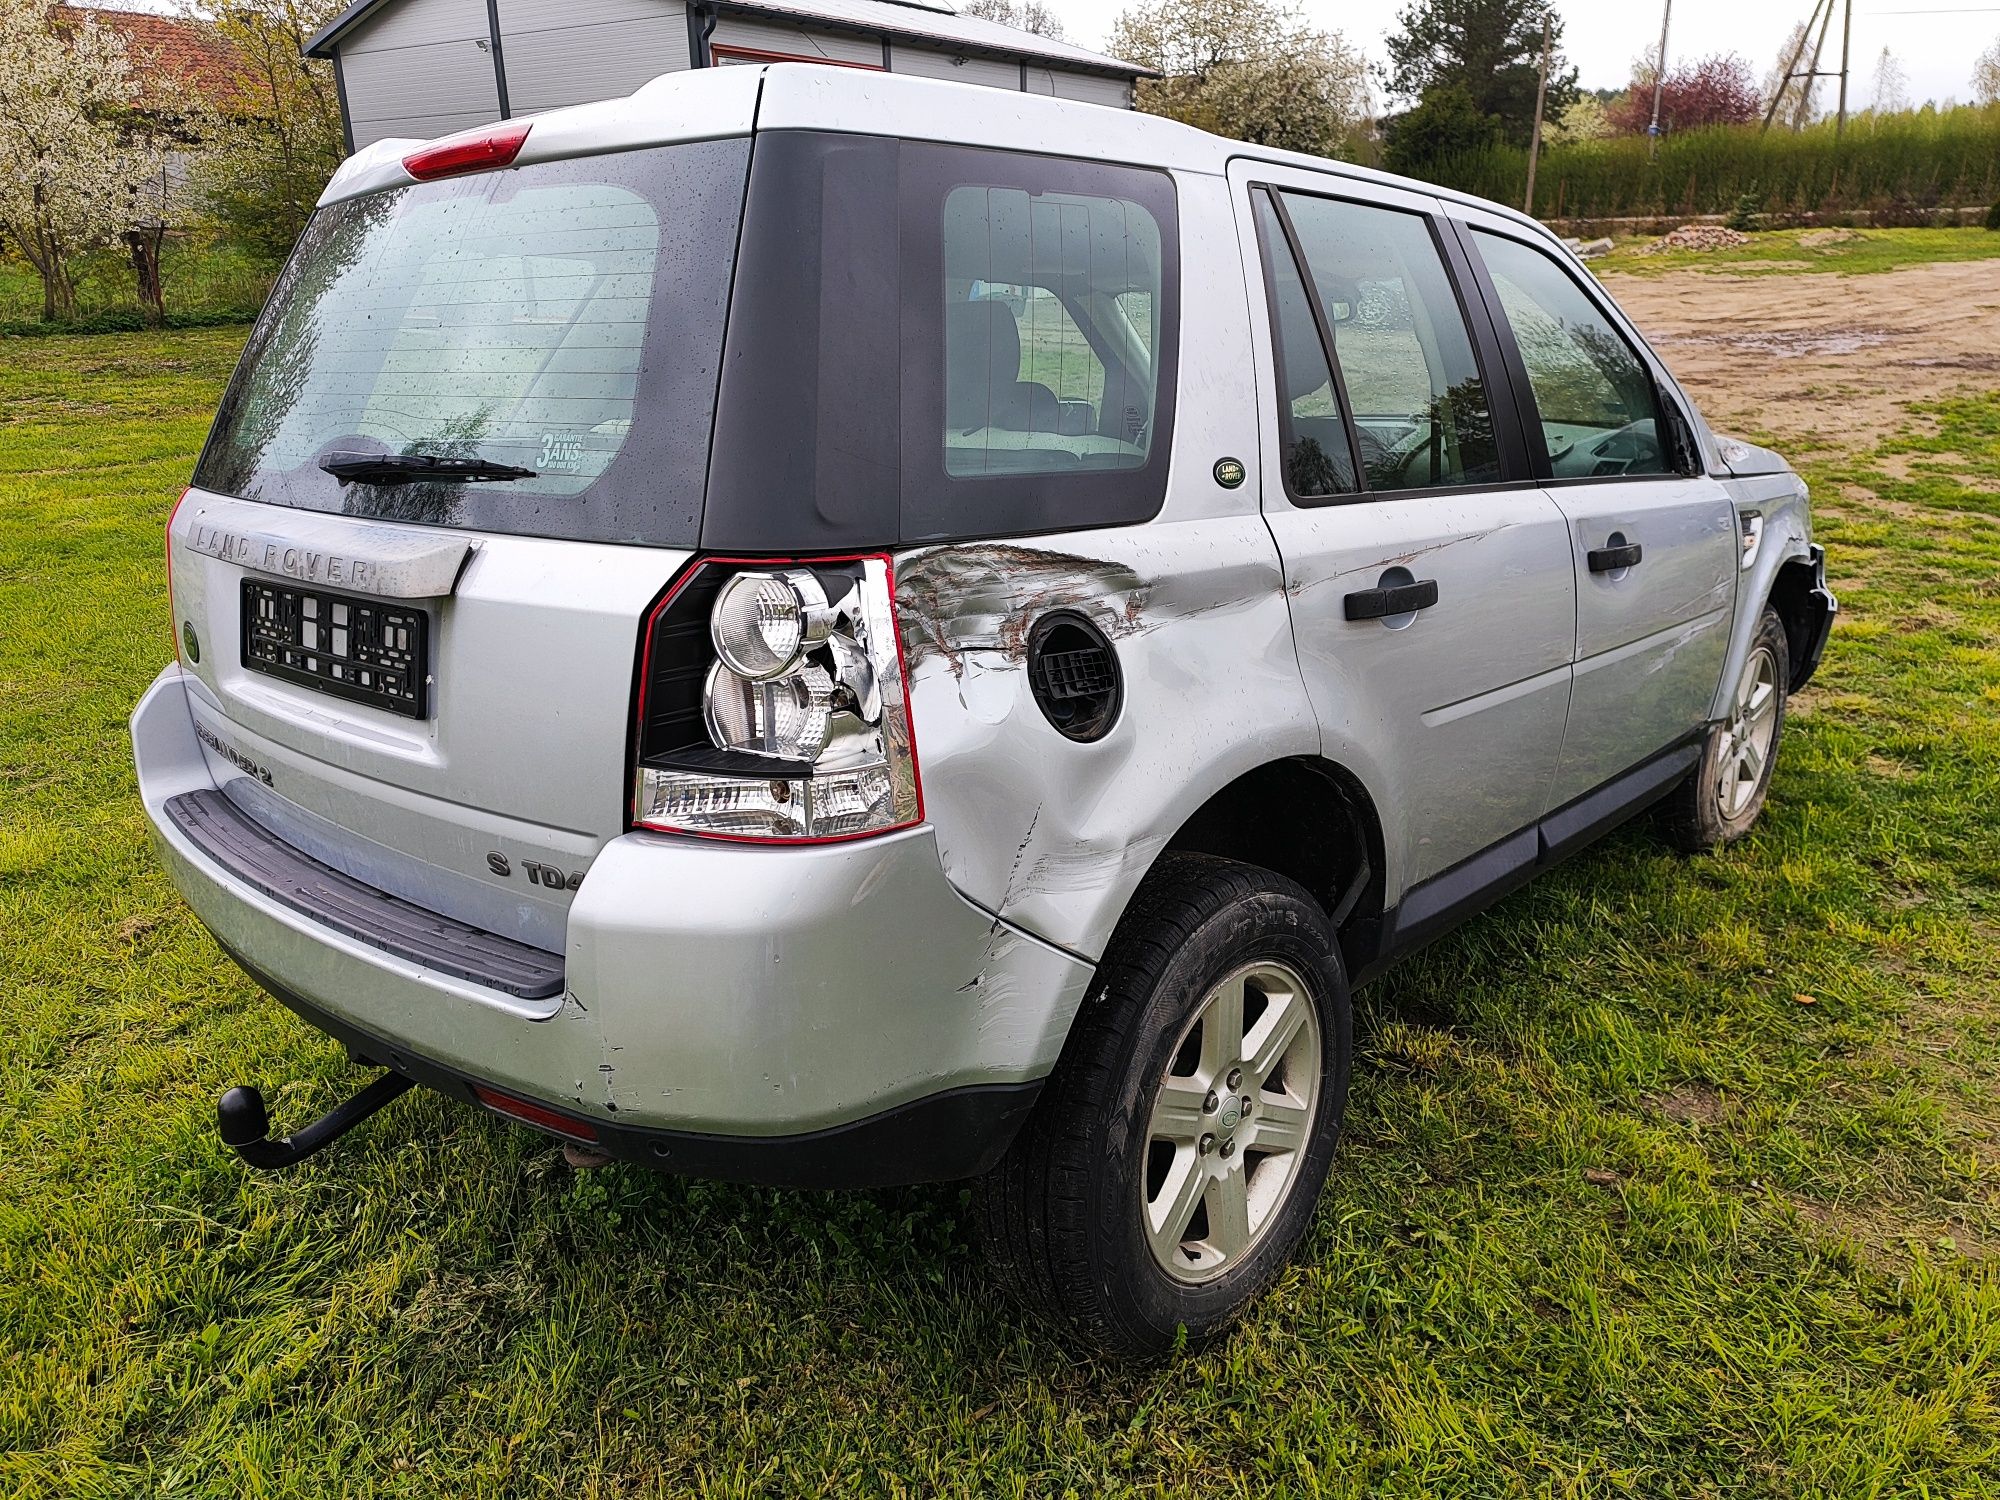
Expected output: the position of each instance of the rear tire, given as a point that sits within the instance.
(1720, 801)
(1143, 1197)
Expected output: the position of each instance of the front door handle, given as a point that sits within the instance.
(1376, 604)
(1610, 559)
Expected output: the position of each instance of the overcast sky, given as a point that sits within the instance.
(1935, 40)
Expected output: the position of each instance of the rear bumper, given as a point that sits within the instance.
(829, 1015)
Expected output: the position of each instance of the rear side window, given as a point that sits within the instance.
(562, 319)
(932, 343)
(1598, 409)
(1045, 371)
(1422, 414)
(1318, 459)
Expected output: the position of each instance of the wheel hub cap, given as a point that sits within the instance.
(1230, 1121)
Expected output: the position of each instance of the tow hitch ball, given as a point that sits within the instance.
(245, 1127)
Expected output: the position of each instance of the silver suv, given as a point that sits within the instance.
(821, 628)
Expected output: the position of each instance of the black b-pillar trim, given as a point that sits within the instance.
(499, 63)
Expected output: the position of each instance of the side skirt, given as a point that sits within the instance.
(1431, 909)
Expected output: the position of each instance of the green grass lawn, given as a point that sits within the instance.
(1776, 251)
(1671, 1176)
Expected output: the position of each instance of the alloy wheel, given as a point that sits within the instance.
(1231, 1121)
(1747, 737)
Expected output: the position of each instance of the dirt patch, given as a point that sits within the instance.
(1690, 1104)
(1889, 1234)
(1821, 354)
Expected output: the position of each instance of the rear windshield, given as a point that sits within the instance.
(504, 323)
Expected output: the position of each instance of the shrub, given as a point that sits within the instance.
(1744, 215)
(1993, 216)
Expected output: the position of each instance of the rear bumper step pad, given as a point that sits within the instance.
(259, 858)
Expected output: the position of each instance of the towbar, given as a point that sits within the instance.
(245, 1127)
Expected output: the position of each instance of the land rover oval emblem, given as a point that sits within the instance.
(1229, 472)
(190, 640)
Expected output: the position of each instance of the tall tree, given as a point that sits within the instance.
(73, 171)
(1025, 15)
(1249, 70)
(1790, 99)
(279, 138)
(1490, 49)
(1891, 92)
(1986, 76)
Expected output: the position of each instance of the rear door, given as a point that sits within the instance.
(1432, 596)
(1652, 536)
(425, 679)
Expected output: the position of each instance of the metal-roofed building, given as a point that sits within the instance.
(428, 67)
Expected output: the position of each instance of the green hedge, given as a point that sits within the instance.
(1909, 162)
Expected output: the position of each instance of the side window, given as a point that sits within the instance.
(1317, 459)
(1048, 331)
(1595, 398)
(1422, 416)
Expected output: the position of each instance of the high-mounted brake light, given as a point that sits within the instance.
(479, 150)
(773, 705)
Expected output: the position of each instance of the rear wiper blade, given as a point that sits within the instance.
(404, 468)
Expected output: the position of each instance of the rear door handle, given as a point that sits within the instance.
(1610, 559)
(1376, 604)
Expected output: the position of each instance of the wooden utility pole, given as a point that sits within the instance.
(1846, 38)
(1791, 65)
(1812, 75)
(1659, 81)
(1541, 97)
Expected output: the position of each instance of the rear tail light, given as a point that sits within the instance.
(174, 627)
(480, 150)
(773, 705)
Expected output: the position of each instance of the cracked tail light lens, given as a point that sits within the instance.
(773, 705)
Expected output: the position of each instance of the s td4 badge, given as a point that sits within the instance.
(547, 876)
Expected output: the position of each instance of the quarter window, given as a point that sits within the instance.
(1048, 331)
(1598, 410)
(1422, 416)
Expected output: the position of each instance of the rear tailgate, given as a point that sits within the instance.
(465, 449)
(490, 805)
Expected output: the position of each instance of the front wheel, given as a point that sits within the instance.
(1174, 1158)
(1719, 802)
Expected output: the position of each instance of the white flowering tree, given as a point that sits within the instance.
(1026, 15)
(74, 172)
(1249, 69)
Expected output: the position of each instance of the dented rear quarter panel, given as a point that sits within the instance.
(1056, 835)
(1052, 834)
